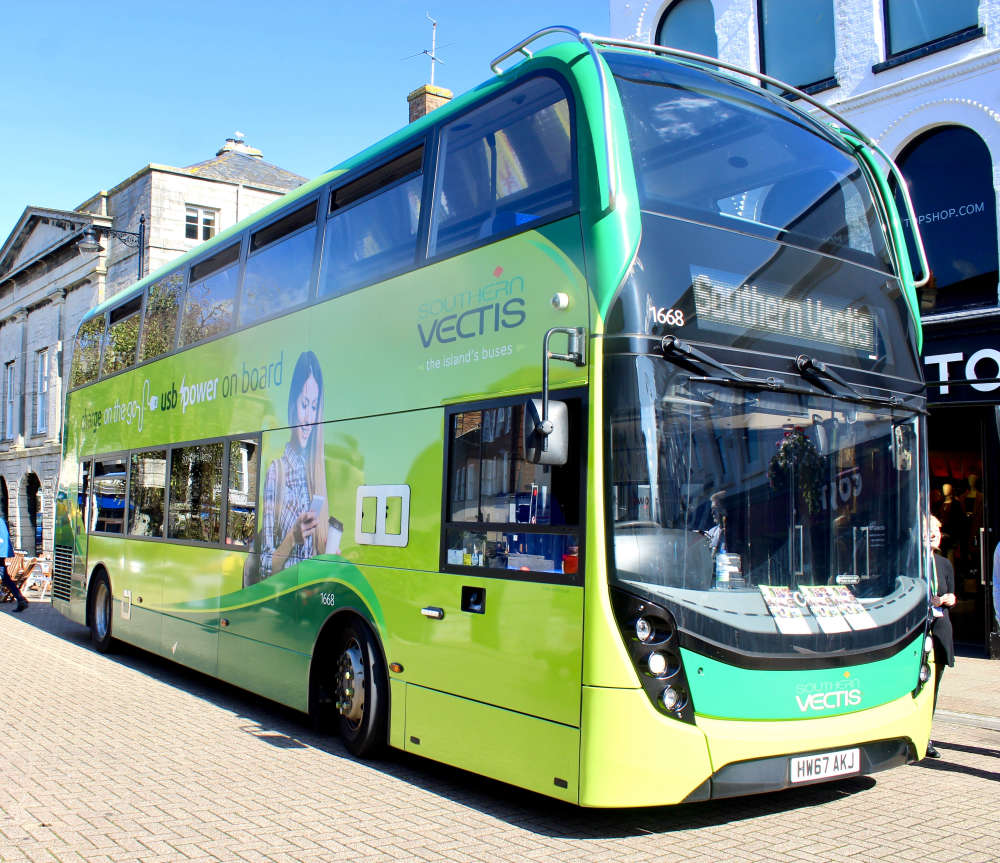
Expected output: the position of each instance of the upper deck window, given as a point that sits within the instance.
(122, 337)
(87, 352)
(159, 325)
(211, 296)
(716, 151)
(280, 265)
(372, 230)
(503, 167)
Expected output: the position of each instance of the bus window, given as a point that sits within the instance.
(241, 516)
(122, 337)
(502, 167)
(107, 496)
(147, 489)
(87, 352)
(280, 266)
(372, 229)
(195, 490)
(211, 297)
(504, 512)
(159, 323)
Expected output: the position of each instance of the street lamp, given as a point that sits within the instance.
(91, 239)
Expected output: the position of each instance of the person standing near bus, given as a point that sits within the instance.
(296, 509)
(5, 552)
(942, 599)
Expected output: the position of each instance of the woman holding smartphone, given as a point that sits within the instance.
(296, 510)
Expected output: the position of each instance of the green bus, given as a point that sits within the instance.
(573, 435)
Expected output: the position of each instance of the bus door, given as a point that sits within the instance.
(501, 624)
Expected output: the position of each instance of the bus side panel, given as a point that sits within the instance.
(137, 593)
(522, 750)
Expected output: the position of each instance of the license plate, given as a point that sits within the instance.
(809, 768)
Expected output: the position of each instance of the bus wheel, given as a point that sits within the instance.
(100, 614)
(361, 691)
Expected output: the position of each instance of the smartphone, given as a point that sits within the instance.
(316, 504)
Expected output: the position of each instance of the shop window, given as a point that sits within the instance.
(797, 42)
(910, 24)
(503, 167)
(147, 491)
(690, 26)
(195, 508)
(950, 175)
(505, 513)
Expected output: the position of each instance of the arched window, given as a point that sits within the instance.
(797, 42)
(912, 23)
(950, 175)
(690, 26)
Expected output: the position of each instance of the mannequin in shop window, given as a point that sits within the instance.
(952, 516)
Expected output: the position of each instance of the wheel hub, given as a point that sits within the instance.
(350, 701)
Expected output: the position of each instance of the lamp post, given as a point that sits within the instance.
(91, 239)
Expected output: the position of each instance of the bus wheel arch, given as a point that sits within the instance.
(349, 684)
(100, 608)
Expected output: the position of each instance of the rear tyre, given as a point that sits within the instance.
(100, 613)
(360, 691)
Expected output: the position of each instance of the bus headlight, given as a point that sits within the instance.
(925, 672)
(653, 643)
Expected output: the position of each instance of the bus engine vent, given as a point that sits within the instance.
(62, 571)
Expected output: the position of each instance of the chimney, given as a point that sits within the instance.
(425, 99)
(237, 144)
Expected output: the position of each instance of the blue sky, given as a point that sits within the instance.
(94, 92)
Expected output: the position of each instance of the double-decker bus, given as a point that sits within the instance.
(572, 435)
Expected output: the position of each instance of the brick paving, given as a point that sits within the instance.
(129, 758)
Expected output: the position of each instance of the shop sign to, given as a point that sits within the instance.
(963, 369)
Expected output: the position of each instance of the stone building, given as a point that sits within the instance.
(57, 264)
(922, 78)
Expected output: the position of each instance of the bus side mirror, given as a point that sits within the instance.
(546, 442)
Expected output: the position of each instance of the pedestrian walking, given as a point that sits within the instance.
(5, 552)
(942, 598)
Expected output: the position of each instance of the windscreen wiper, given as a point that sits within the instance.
(815, 371)
(674, 348)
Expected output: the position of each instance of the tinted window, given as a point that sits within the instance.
(241, 521)
(690, 26)
(107, 504)
(490, 482)
(196, 493)
(797, 43)
(87, 352)
(147, 488)
(280, 266)
(914, 22)
(733, 156)
(122, 337)
(159, 326)
(208, 306)
(502, 167)
(373, 238)
(950, 175)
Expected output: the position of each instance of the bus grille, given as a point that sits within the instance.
(62, 571)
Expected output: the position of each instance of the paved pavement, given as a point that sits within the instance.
(129, 758)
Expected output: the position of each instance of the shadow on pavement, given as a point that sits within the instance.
(285, 728)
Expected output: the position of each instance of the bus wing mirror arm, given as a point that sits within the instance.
(546, 427)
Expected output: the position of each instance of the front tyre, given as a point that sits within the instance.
(100, 614)
(361, 691)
